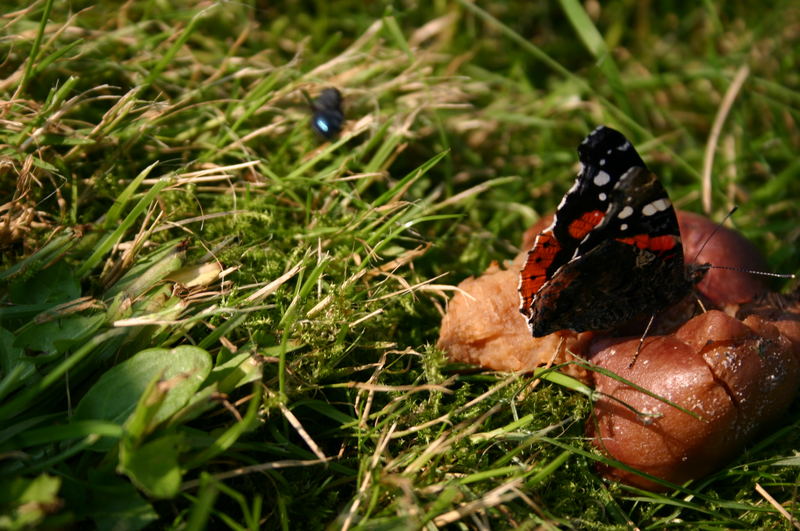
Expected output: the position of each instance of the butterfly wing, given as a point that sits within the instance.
(630, 265)
(605, 155)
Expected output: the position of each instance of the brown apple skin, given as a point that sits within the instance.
(736, 376)
(705, 242)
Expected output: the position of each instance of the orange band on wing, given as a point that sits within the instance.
(534, 273)
(663, 243)
(584, 224)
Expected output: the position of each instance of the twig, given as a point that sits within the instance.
(293, 420)
(778, 507)
(273, 465)
(716, 129)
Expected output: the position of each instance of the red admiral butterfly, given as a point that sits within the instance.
(613, 252)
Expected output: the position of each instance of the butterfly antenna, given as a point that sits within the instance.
(740, 270)
(641, 340)
(752, 272)
(713, 232)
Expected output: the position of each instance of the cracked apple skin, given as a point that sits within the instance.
(736, 376)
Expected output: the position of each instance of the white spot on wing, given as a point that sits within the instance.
(602, 162)
(625, 212)
(659, 205)
(602, 196)
(625, 147)
(602, 178)
(624, 226)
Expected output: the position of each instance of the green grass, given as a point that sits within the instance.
(296, 385)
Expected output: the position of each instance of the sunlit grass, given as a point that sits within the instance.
(164, 190)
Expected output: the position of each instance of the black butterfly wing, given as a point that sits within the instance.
(605, 155)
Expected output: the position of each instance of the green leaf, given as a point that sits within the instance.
(237, 371)
(30, 393)
(326, 409)
(153, 466)
(398, 189)
(177, 43)
(10, 430)
(789, 461)
(33, 56)
(116, 394)
(594, 42)
(59, 335)
(73, 430)
(584, 27)
(114, 213)
(25, 502)
(114, 237)
(226, 439)
(149, 271)
(201, 511)
(114, 503)
(15, 367)
(138, 423)
(396, 34)
(58, 245)
(564, 380)
(55, 284)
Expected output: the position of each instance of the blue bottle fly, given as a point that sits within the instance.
(328, 117)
